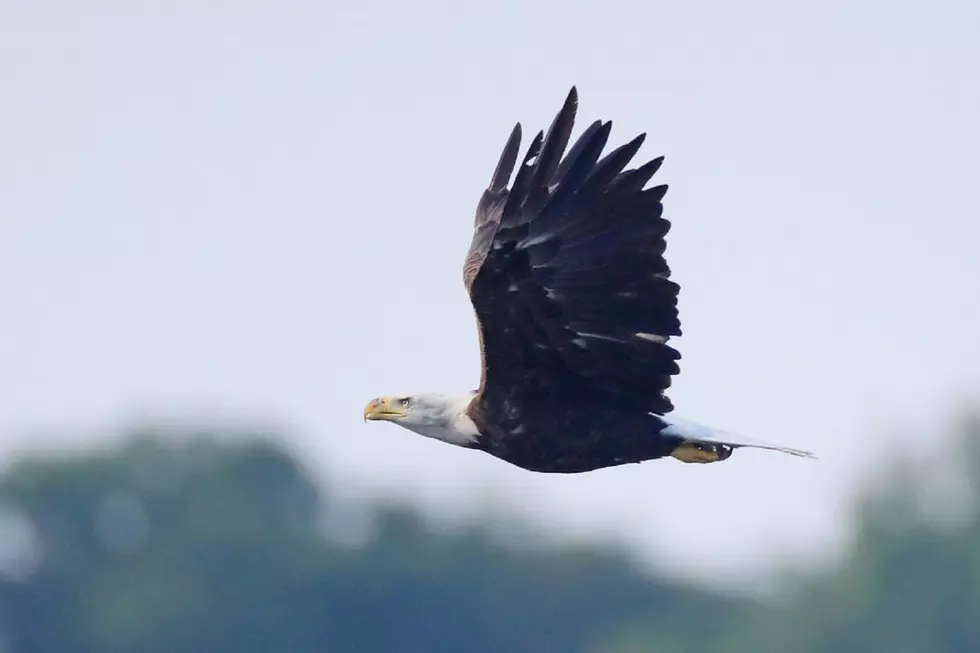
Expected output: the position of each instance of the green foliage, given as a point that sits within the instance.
(208, 547)
(220, 545)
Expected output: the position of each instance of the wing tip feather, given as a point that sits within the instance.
(508, 157)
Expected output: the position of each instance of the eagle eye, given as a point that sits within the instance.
(406, 402)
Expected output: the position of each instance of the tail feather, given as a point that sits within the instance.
(694, 432)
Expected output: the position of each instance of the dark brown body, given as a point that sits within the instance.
(573, 437)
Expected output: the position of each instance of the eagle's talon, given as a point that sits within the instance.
(700, 452)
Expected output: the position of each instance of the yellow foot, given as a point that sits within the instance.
(697, 452)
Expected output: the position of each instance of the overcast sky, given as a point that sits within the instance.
(259, 210)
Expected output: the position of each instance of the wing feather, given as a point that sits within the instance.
(567, 275)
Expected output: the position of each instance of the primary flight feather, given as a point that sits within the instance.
(575, 310)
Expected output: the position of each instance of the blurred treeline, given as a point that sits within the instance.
(224, 544)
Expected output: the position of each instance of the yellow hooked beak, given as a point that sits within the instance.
(384, 408)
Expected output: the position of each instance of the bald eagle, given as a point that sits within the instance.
(575, 310)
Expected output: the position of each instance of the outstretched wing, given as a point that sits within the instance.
(566, 272)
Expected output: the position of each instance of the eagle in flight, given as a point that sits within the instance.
(575, 309)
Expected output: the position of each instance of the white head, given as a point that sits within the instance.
(433, 415)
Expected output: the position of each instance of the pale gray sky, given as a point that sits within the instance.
(261, 209)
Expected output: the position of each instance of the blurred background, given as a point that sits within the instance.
(225, 226)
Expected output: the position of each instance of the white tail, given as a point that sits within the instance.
(694, 432)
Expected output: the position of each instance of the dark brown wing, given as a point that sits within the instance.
(487, 219)
(567, 275)
(491, 207)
